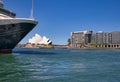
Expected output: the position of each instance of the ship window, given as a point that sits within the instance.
(13, 25)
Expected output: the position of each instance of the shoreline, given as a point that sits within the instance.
(65, 47)
(72, 48)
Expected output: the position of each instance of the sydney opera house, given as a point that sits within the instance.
(38, 41)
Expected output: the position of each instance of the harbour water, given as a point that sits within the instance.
(60, 65)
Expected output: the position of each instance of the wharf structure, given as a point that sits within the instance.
(86, 39)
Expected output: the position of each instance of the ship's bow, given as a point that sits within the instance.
(12, 31)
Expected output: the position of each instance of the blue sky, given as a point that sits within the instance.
(57, 18)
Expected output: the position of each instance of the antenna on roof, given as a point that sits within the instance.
(32, 10)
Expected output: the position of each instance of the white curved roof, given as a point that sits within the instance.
(37, 39)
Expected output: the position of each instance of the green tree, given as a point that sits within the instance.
(69, 41)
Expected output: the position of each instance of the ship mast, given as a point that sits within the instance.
(32, 10)
(1, 4)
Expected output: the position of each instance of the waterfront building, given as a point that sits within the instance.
(109, 38)
(37, 39)
(115, 37)
(99, 39)
(93, 39)
(79, 38)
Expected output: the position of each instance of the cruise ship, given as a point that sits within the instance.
(12, 29)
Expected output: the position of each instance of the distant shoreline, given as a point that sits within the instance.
(74, 48)
(95, 48)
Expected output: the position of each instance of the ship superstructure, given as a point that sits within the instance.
(13, 30)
